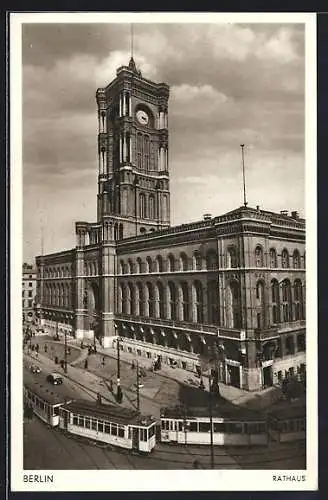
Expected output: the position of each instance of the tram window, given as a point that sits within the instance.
(284, 427)
(87, 423)
(107, 428)
(114, 429)
(179, 424)
(75, 420)
(94, 424)
(151, 431)
(193, 427)
(143, 434)
(121, 431)
(163, 424)
(262, 428)
(171, 424)
(204, 427)
(218, 427)
(100, 427)
(129, 432)
(235, 428)
(81, 421)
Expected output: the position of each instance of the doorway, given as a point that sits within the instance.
(234, 376)
(267, 376)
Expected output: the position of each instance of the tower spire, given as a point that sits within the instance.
(131, 40)
(244, 181)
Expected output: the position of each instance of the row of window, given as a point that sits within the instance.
(57, 272)
(59, 295)
(27, 293)
(27, 303)
(30, 284)
(289, 425)
(209, 261)
(218, 427)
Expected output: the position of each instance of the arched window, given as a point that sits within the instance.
(121, 267)
(275, 301)
(284, 259)
(197, 261)
(234, 305)
(197, 295)
(232, 257)
(142, 206)
(298, 300)
(260, 309)
(183, 262)
(184, 298)
(171, 263)
(273, 258)
(286, 300)
(150, 299)
(149, 265)
(146, 152)
(211, 260)
(124, 299)
(165, 208)
(120, 235)
(151, 207)
(172, 301)
(258, 256)
(139, 265)
(130, 266)
(160, 297)
(296, 259)
(159, 263)
(139, 150)
(212, 303)
(140, 300)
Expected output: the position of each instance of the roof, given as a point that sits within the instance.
(230, 412)
(53, 395)
(109, 412)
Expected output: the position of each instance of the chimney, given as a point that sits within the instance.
(284, 212)
(295, 215)
(207, 216)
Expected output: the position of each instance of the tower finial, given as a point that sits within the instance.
(131, 41)
(244, 181)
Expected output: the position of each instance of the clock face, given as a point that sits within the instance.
(142, 117)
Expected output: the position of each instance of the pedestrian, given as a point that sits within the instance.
(37, 347)
(86, 364)
(68, 350)
(111, 385)
(45, 347)
(103, 361)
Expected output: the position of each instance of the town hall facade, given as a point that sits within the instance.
(229, 288)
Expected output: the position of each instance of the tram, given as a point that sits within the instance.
(184, 426)
(288, 424)
(109, 424)
(44, 400)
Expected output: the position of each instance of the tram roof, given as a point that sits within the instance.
(53, 395)
(109, 412)
(218, 411)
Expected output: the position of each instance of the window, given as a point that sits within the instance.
(258, 256)
(211, 260)
(183, 262)
(151, 431)
(88, 423)
(193, 427)
(121, 431)
(275, 301)
(284, 259)
(151, 207)
(296, 259)
(197, 261)
(100, 426)
(30, 284)
(30, 293)
(204, 427)
(114, 429)
(218, 427)
(142, 206)
(146, 153)
(143, 434)
(75, 420)
(273, 258)
(171, 266)
(232, 257)
(235, 428)
(286, 301)
(30, 303)
(107, 428)
(81, 421)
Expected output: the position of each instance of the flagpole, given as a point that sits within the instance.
(244, 180)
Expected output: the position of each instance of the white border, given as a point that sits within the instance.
(140, 480)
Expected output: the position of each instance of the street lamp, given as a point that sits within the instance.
(65, 357)
(211, 419)
(119, 394)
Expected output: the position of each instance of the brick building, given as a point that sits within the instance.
(230, 287)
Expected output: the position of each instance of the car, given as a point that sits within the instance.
(55, 378)
(35, 369)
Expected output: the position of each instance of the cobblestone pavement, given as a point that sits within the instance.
(46, 448)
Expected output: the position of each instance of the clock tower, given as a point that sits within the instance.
(133, 181)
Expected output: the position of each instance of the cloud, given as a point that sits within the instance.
(230, 84)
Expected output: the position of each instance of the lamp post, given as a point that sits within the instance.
(119, 390)
(211, 419)
(138, 389)
(65, 358)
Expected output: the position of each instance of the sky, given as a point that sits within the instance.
(229, 84)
